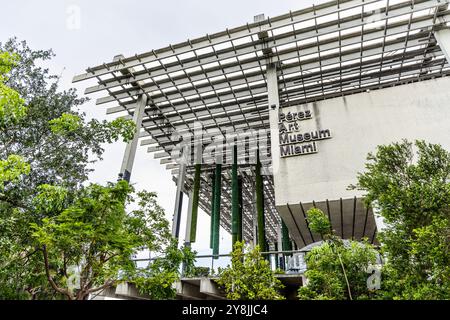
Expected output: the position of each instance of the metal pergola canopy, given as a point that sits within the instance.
(334, 49)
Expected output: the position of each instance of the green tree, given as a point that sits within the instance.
(96, 235)
(410, 187)
(158, 278)
(337, 269)
(249, 277)
(44, 141)
(41, 124)
(12, 108)
(12, 169)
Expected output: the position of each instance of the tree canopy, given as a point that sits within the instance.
(55, 227)
(97, 235)
(409, 184)
(41, 124)
(249, 277)
(337, 269)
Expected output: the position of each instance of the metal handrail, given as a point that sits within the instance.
(229, 255)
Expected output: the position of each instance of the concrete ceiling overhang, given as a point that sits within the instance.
(350, 219)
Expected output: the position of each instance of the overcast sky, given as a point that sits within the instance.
(108, 28)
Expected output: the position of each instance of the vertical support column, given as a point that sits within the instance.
(217, 198)
(234, 199)
(195, 200)
(189, 221)
(277, 258)
(255, 216)
(178, 201)
(130, 150)
(211, 237)
(241, 210)
(260, 207)
(286, 244)
(279, 247)
(274, 110)
(443, 38)
(187, 240)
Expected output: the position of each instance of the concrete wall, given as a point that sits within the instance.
(359, 123)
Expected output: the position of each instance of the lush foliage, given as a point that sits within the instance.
(55, 228)
(12, 108)
(319, 222)
(249, 277)
(158, 279)
(410, 186)
(337, 269)
(96, 235)
(12, 169)
(42, 125)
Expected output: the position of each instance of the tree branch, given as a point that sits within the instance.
(345, 276)
(107, 284)
(49, 277)
(6, 199)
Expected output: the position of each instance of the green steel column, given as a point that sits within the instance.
(195, 199)
(285, 242)
(211, 237)
(260, 207)
(217, 196)
(234, 199)
(241, 208)
(277, 259)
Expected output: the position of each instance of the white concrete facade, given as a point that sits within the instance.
(358, 123)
